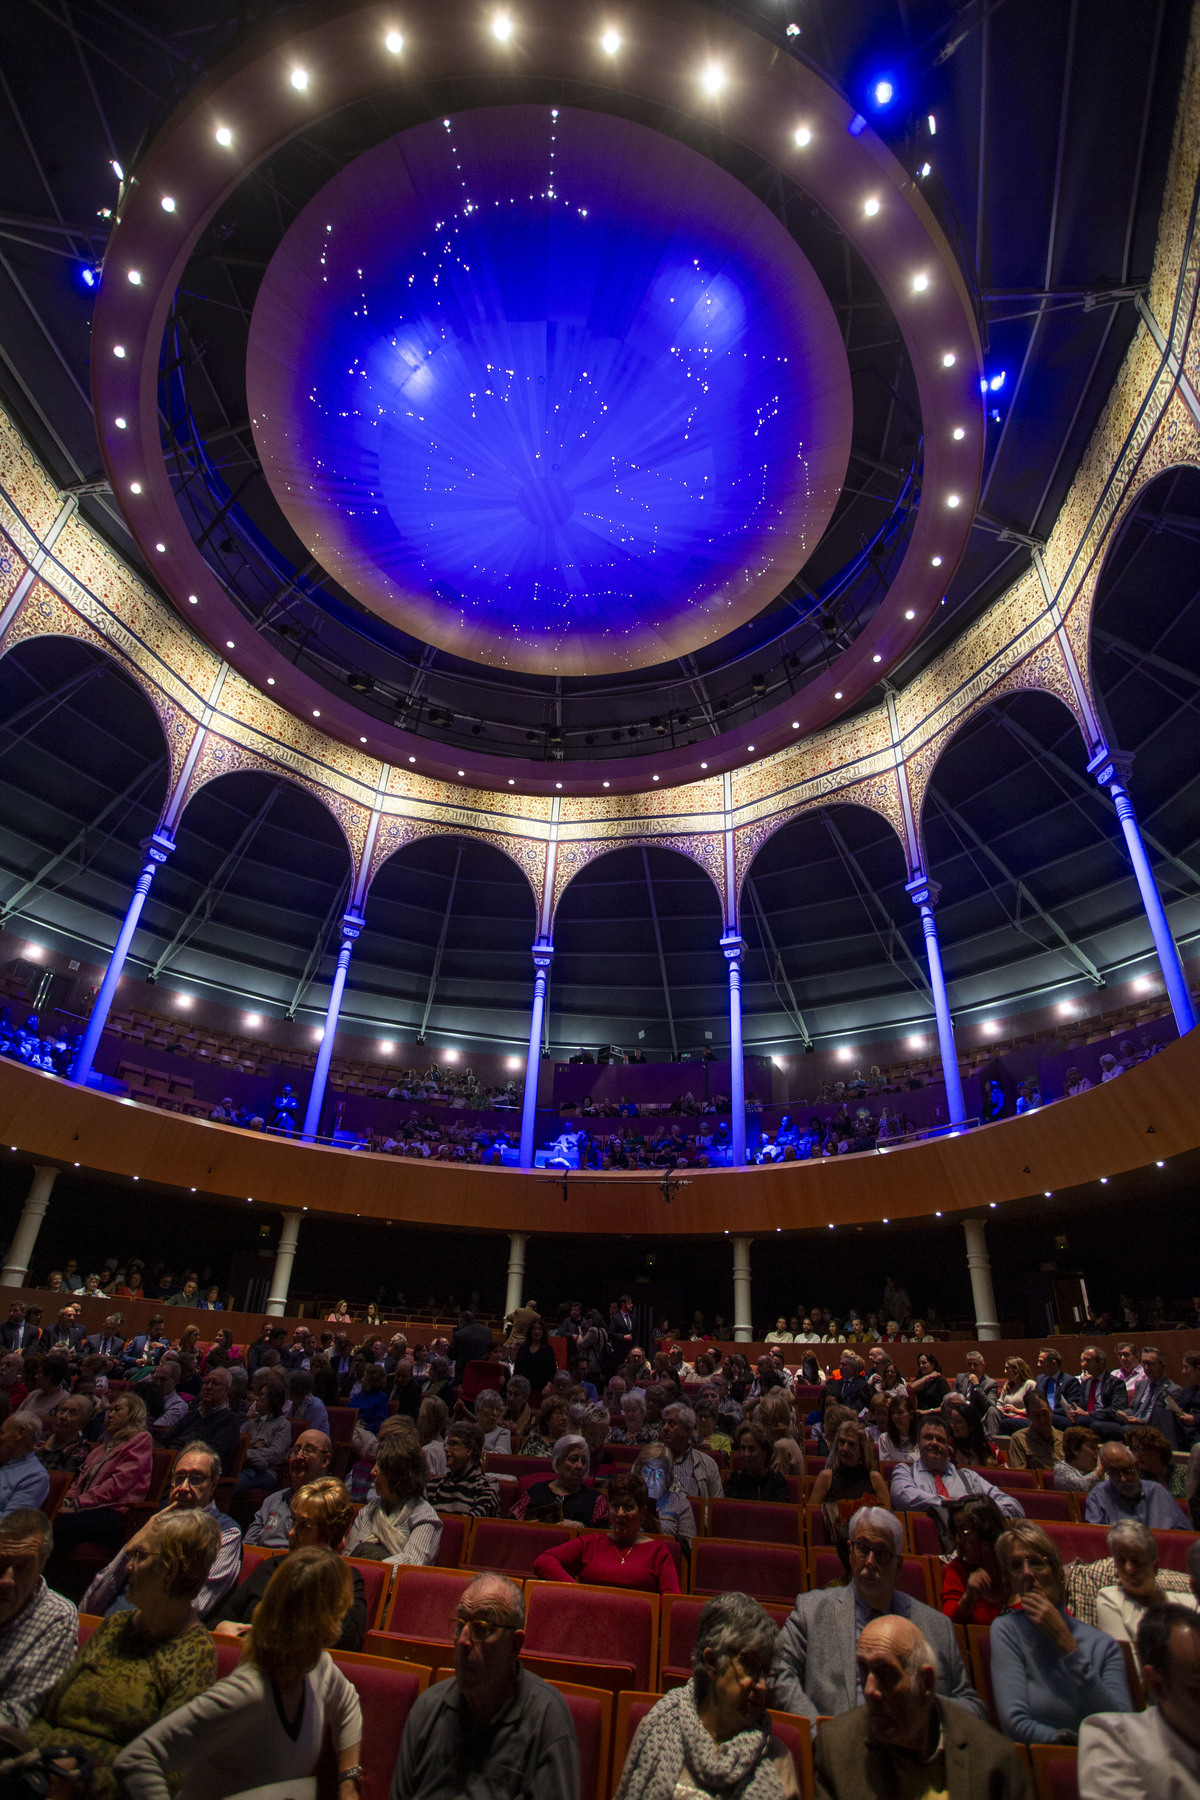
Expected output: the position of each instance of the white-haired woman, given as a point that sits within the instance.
(1121, 1607)
(634, 1429)
(713, 1735)
(564, 1496)
(489, 1411)
(656, 1466)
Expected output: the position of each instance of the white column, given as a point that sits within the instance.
(733, 946)
(157, 848)
(517, 1241)
(20, 1251)
(924, 895)
(743, 1326)
(352, 924)
(543, 956)
(285, 1256)
(987, 1325)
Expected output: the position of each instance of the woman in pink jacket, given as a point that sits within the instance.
(114, 1477)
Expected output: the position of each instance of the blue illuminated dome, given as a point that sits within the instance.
(549, 390)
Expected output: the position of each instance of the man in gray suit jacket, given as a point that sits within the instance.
(903, 1734)
(815, 1672)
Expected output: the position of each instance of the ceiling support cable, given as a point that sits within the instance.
(336, 909)
(780, 979)
(48, 698)
(202, 911)
(882, 923)
(441, 946)
(662, 961)
(132, 793)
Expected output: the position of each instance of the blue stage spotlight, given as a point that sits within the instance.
(882, 92)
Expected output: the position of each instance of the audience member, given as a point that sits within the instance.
(265, 1723)
(850, 1473)
(655, 1465)
(900, 1442)
(308, 1460)
(494, 1724)
(115, 1477)
(268, 1438)
(398, 1525)
(564, 1496)
(906, 1740)
(1078, 1470)
(321, 1513)
(24, 1481)
(755, 1480)
(471, 1342)
(464, 1488)
(1102, 1399)
(210, 1420)
(695, 1472)
(1049, 1670)
(969, 1448)
(67, 1449)
(553, 1422)
(38, 1628)
(1153, 1754)
(625, 1555)
(1124, 1495)
(712, 1735)
(489, 1409)
(1040, 1444)
(1060, 1391)
(931, 1481)
(48, 1391)
(1121, 1607)
(1017, 1384)
(193, 1483)
(974, 1586)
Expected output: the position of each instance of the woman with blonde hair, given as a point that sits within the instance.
(266, 1722)
(1016, 1386)
(774, 1414)
(114, 1477)
(850, 1473)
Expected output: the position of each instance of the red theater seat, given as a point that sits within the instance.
(593, 1623)
(386, 1693)
(1055, 1771)
(418, 1627)
(591, 1714)
(680, 1618)
(760, 1521)
(511, 1546)
(768, 1571)
(376, 1577)
(452, 1548)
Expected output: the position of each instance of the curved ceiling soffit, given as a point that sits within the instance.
(394, 835)
(895, 232)
(220, 756)
(704, 848)
(879, 794)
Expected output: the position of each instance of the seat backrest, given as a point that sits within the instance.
(825, 1570)
(591, 1713)
(632, 1708)
(376, 1577)
(455, 1531)
(564, 1619)
(342, 1420)
(60, 1481)
(1011, 1479)
(768, 1571)
(229, 1655)
(1173, 1547)
(424, 1601)
(795, 1734)
(87, 1624)
(979, 1641)
(680, 1619)
(1042, 1504)
(760, 1521)
(252, 1555)
(387, 1692)
(1055, 1771)
(160, 1470)
(1085, 1543)
(511, 1546)
(480, 1375)
(923, 1538)
(539, 1467)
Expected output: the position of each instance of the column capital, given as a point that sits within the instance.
(733, 945)
(543, 953)
(158, 846)
(1110, 765)
(921, 891)
(352, 924)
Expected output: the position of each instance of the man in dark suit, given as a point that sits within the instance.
(108, 1342)
(902, 1734)
(1058, 1389)
(470, 1343)
(66, 1333)
(145, 1347)
(1103, 1396)
(16, 1333)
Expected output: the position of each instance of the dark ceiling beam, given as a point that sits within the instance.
(1148, 659)
(436, 970)
(878, 914)
(337, 907)
(132, 793)
(662, 961)
(209, 895)
(779, 977)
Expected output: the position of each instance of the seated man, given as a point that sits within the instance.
(1058, 1389)
(24, 1481)
(211, 1420)
(815, 1672)
(903, 1733)
(932, 1479)
(145, 1348)
(1137, 1755)
(696, 1474)
(166, 1378)
(1103, 1396)
(320, 1513)
(1124, 1495)
(193, 1484)
(978, 1388)
(1038, 1445)
(308, 1460)
(494, 1727)
(38, 1628)
(304, 1403)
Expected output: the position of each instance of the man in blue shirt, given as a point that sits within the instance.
(24, 1481)
(1057, 1389)
(1124, 1495)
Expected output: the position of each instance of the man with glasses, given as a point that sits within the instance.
(1124, 1495)
(193, 1485)
(932, 1481)
(493, 1728)
(815, 1669)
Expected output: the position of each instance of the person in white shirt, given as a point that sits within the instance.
(1153, 1755)
(1121, 1608)
(933, 1480)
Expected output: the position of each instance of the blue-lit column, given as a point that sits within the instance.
(1112, 772)
(733, 947)
(543, 956)
(157, 848)
(352, 924)
(924, 895)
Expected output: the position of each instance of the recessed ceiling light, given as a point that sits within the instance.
(558, 784)
(959, 434)
(511, 781)
(229, 643)
(838, 694)
(803, 137)
(936, 562)
(394, 42)
(704, 765)
(611, 42)
(270, 681)
(502, 27)
(654, 778)
(118, 349)
(463, 772)
(192, 600)
(606, 784)
(920, 283)
(168, 205)
(316, 714)
(412, 759)
(120, 424)
(910, 614)
(224, 137)
(135, 276)
(877, 657)
(161, 548)
(299, 79)
(712, 78)
(362, 740)
(952, 500)
(795, 724)
(135, 487)
(949, 360)
(871, 207)
(750, 747)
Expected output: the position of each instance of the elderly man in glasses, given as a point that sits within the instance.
(815, 1670)
(494, 1727)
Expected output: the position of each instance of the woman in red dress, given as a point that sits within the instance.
(625, 1555)
(974, 1586)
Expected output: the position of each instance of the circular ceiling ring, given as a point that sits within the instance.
(669, 52)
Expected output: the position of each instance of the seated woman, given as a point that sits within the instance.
(929, 1387)
(268, 1439)
(464, 1488)
(115, 1476)
(625, 1555)
(633, 1429)
(974, 1586)
(67, 1449)
(1121, 1608)
(709, 1436)
(141, 1664)
(266, 1722)
(1016, 1384)
(322, 1511)
(399, 1525)
(850, 1473)
(713, 1735)
(518, 1416)
(489, 1411)
(899, 1442)
(553, 1422)
(564, 1496)
(1079, 1470)
(655, 1465)
(759, 1478)
(969, 1448)
(774, 1414)
(432, 1420)
(888, 1380)
(1049, 1671)
(371, 1401)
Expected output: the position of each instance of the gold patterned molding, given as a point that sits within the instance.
(1036, 636)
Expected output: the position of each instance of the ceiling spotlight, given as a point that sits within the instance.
(502, 27)
(871, 207)
(991, 1027)
(387, 1046)
(299, 79)
(1046, 1194)
(1104, 1181)
(118, 349)
(270, 681)
(952, 500)
(229, 643)
(803, 137)
(135, 277)
(606, 784)
(997, 382)
(1159, 1165)
(838, 694)
(362, 740)
(877, 658)
(393, 42)
(192, 600)
(117, 170)
(926, 169)
(316, 714)
(558, 784)
(120, 424)
(253, 1020)
(161, 548)
(959, 434)
(910, 614)
(512, 781)
(654, 778)
(883, 91)
(610, 43)
(712, 78)
(412, 759)
(936, 561)
(463, 772)
(920, 283)
(135, 487)
(949, 360)
(795, 724)
(168, 205)
(750, 748)
(932, 126)
(223, 136)
(702, 765)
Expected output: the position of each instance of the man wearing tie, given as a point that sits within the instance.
(108, 1342)
(1103, 1396)
(1057, 1388)
(932, 1480)
(17, 1333)
(1149, 1405)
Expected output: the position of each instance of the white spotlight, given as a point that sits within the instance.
(394, 42)
(803, 137)
(252, 1021)
(936, 562)
(223, 136)
(449, 1055)
(959, 434)
(910, 614)
(502, 27)
(610, 43)
(920, 283)
(135, 276)
(712, 78)
(952, 500)
(119, 423)
(386, 1046)
(871, 207)
(168, 205)
(299, 79)
(949, 360)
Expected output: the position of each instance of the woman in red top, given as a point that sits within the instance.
(974, 1586)
(623, 1556)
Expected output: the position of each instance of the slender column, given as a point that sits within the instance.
(285, 1256)
(352, 924)
(517, 1241)
(1112, 772)
(924, 895)
(157, 849)
(743, 1325)
(987, 1325)
(20, 1251)
(543, 956)
(733, 946)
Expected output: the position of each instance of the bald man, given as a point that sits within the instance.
(903, 1738)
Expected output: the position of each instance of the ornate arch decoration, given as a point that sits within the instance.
(706, 849)
(878, 794)
(395, 833)
(220, 755)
